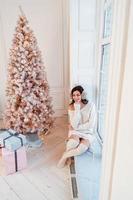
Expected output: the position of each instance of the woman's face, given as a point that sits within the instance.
(76, 96)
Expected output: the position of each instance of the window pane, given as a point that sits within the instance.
(103, 88)
(107, 21)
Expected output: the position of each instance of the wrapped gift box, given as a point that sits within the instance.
(14, 161)
(11, 140)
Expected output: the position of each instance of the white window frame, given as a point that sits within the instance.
(116, 68)
(102, 42)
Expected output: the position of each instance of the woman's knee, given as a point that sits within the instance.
(72, 143)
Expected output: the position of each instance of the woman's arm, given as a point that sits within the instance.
(70, 127)
(74, 116)
(90, 125)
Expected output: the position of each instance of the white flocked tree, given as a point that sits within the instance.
(29, 105)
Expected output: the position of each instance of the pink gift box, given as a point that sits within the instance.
(14, 160)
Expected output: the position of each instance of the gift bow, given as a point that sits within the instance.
(12, 133)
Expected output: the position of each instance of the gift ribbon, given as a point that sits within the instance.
(16, 163)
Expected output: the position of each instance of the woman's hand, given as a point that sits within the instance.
(77, 106)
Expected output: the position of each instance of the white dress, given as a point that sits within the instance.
(83, 121)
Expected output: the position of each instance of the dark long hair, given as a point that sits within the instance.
(80, 89)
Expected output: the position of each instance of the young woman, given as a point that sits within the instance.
(82, 119)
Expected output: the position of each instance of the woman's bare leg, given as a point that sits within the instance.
(85, 142)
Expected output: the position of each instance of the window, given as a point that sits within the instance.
(103, 75)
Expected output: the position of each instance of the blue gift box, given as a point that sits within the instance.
(12, 140)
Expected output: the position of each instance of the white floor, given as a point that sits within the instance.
(42, 180)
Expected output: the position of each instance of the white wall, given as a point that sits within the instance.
(48, 19)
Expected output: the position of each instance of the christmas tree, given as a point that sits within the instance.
(29, 107)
